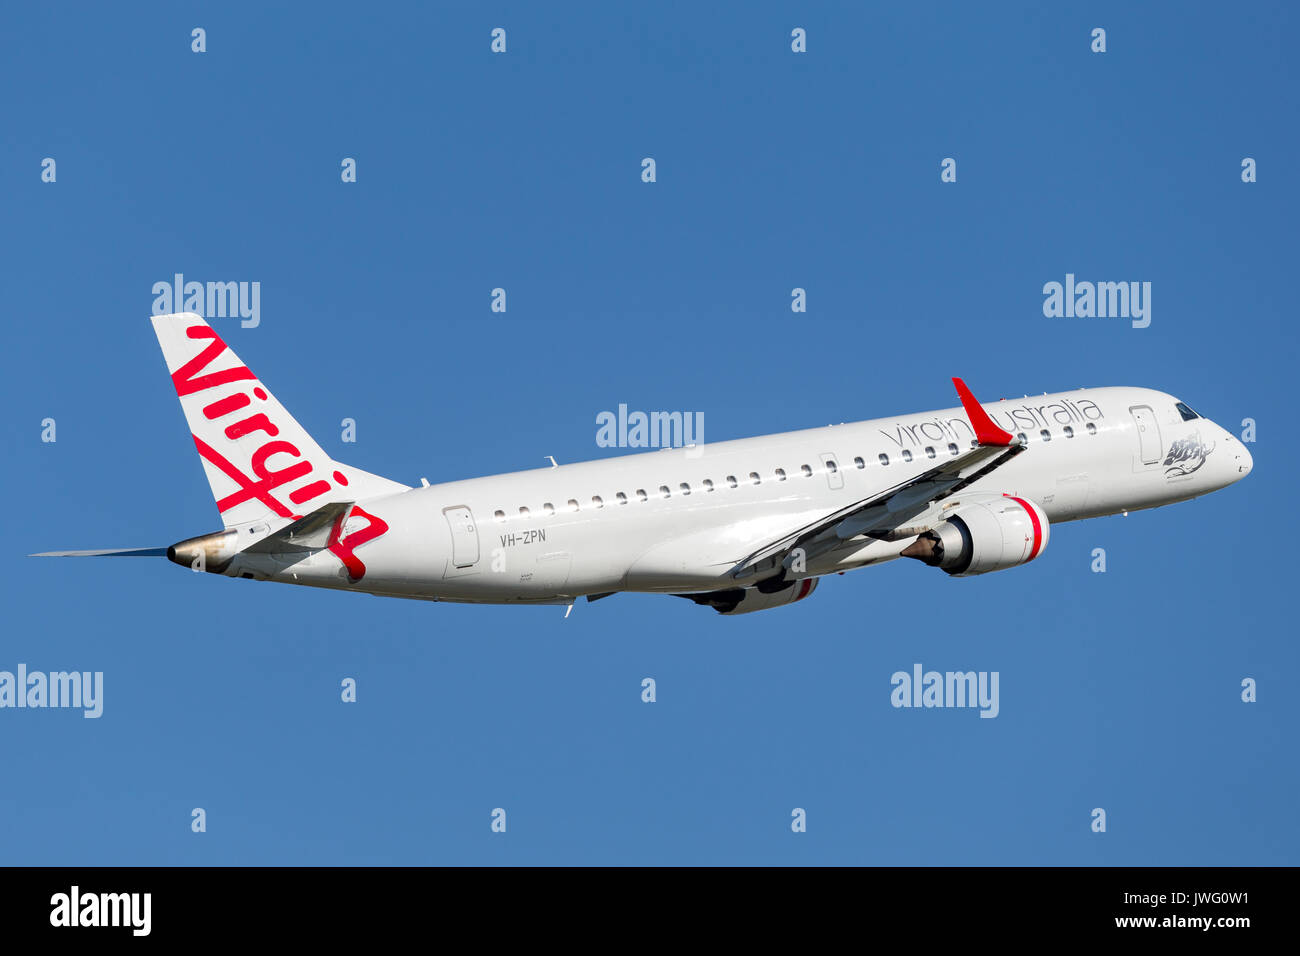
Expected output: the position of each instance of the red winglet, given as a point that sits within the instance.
(986, 433)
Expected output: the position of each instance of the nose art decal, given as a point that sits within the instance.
(1187, 455)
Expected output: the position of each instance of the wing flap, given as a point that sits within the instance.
(887, 510)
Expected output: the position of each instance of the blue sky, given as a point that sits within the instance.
(522, 170)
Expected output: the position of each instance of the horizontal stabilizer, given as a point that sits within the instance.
(314, 532)
(121, 553)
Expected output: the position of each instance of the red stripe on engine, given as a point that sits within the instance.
(804, 588)
(1038, 528)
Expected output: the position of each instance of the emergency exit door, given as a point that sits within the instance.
(833, 476)
(464, 536)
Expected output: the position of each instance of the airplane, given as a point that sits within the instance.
(739, 526)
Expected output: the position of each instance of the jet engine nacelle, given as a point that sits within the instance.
(984, 536)
(745, 600)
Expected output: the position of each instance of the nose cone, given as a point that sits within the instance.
(1244, 460)
(1237, 460)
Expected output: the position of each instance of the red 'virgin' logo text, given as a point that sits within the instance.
(269, 472)
(343, 547)
(192, 378)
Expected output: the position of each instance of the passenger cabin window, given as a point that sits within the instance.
(859, 462)
(831, 466)
(524, 513)
(754, 479)
(731, 481)
(664, 492)
(1187, 413)
(907, 454)
(1092, 429)
(952, 448)
(548, 508)
(685, 488)
(500, 516)
(1045, 435)
(708, 484)
(641, 495)
(1069, 432)
(884, 459)
(929, 451)
(597, 501)
(780, 474)
(1022, 438)
(621, 498)
(807, 471)
(573, 504)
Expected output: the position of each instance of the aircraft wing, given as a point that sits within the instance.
(884, 513)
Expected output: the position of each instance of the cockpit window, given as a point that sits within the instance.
(1187, 413)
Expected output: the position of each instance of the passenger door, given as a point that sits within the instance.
(464, 536)
(1150, 447)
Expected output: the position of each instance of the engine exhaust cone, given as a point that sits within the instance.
(927, 548)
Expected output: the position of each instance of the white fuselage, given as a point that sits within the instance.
(678, 519)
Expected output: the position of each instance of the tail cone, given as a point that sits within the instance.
(209, 552)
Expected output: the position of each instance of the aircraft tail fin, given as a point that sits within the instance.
(260, 463)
